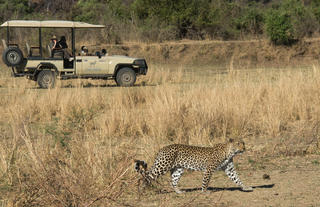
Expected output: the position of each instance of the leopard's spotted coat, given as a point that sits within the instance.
(177, 157)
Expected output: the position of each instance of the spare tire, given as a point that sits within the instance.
(12, 56)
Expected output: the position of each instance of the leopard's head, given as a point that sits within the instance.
(236, 146)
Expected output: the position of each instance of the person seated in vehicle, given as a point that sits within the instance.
(64, 46)
(84, 51)
(63, 42)
(54, 45)
(103, 52)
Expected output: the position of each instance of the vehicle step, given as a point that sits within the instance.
(18, 74)
(64, 77)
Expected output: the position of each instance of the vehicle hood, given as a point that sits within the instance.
(124, 59)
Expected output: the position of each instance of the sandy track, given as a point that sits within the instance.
(294, 181)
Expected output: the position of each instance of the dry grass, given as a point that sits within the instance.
(74, 146)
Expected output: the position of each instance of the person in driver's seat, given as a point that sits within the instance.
(104, 52)
(84, 51)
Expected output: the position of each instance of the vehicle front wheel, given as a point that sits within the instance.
(46, 79)
(125, 77)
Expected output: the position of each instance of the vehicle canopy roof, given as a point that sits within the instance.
(49, 24)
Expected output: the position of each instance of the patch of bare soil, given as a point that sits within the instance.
(288, 181)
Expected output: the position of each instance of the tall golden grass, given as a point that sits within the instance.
(74, 146)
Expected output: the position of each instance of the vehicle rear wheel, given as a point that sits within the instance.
(46, 79)
(126, 77)
(12, 56)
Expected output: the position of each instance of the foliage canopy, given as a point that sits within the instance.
(158, 20)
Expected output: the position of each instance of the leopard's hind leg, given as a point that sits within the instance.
(206, 179)
(162, 164)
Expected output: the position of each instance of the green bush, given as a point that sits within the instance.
(315, 7)
(13, 9)
(251, 20)
(87, 11)
(154, 20)
(303, 20)
(289, 21)
(279, 28)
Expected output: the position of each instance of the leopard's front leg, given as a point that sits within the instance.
(232, 174)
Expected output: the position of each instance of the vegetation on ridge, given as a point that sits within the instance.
(148, 20)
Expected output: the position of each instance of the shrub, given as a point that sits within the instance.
(290, 20)
(150, 20)
(303, 20)
(315, 7)
(11, 9)
(87, 11)
(279, 28)
(251, 20)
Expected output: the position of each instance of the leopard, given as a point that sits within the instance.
(177, 158)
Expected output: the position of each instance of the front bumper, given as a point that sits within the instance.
(142, 71)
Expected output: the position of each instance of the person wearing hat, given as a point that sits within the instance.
(84, 51)
(54, 43)
(54, 46)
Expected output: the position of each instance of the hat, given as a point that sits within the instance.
(54, 37)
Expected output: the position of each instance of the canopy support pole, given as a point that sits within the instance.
(73, 42)
(8, 34)
(40, 42)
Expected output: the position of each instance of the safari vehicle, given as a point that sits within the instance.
(45, 70)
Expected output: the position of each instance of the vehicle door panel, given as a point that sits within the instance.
(79, 65)
(92, 65)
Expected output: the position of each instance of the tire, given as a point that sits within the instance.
(12, 56)
(46, 79)
(125, 77)
(20, 68)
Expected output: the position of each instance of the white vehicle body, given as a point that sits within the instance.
(45, 70)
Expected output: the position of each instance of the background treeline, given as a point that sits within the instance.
(282, 21)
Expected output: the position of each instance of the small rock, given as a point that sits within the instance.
(266, 176)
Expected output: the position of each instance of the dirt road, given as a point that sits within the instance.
(290, 181)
